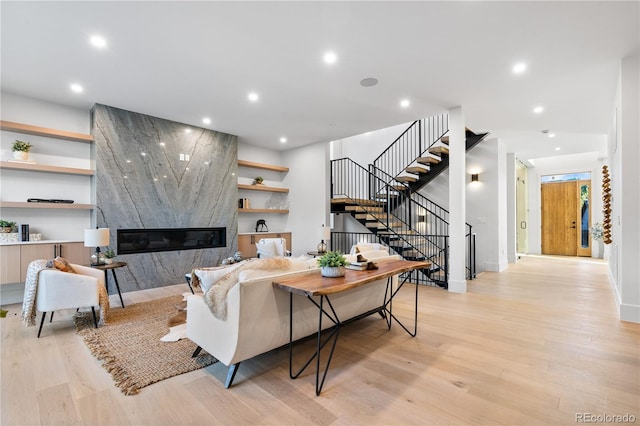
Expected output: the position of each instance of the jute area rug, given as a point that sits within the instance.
(129, 344)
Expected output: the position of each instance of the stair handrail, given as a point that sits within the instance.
(412, 144)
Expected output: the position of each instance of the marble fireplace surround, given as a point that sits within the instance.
(154, 173)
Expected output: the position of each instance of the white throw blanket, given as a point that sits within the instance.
(216, 296)
(31, 289)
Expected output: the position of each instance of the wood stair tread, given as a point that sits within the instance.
(380, 225)
(417, 170)
(406, 179)
(361, 209)
(440, 149)
(428, 160)
(369, 216)
(357, 201)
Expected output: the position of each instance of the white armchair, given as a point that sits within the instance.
(64, 290)
(272, 247)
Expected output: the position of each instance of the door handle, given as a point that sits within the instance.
(523, 225)
(573, 225)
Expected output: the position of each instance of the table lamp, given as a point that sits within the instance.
(96, 238)
(326, 236)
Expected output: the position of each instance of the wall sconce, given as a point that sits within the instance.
(474, 177)
(422, 218)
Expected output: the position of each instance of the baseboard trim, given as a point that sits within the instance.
(630, 313)
(457, 286)
(495, 267)
(11, 293)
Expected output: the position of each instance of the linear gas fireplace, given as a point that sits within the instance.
(152, 240)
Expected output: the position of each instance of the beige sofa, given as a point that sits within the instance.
(257, 316)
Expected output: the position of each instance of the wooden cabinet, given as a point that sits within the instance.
(264, 188)
(247, 242)
(74, 253)
(9, 259)
(15, 259)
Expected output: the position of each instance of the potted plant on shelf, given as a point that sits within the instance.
(7, 226)
(109, 254)
(258, 180)
(332, 264)
(21, 150)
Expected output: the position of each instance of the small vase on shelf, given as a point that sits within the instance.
(21, 155)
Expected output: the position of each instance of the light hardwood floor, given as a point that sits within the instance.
(536, 344)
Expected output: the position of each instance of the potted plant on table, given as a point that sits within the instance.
(109, 254)
(332, 264)
(6, 226)
(21, 150)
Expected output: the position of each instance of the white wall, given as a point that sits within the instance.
(487, 203)
(511, 208)
(41, 113)
(575, 163)
(624, 151)
(364, 148)
(309, 191)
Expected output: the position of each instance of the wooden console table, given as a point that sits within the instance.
(317, 285)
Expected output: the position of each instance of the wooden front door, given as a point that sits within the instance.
(559, 218)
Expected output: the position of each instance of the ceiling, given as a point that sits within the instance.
(186, 60)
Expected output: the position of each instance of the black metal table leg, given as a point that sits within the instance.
(333, 317)
(388, 306)
(113, 271)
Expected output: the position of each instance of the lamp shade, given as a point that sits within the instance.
(326, 233)
(96, 237)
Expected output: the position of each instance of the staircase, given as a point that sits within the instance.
(384, 199)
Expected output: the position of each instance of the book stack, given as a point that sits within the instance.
(243, 203)
(361, 264)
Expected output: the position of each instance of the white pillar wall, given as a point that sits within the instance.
(512, 256)
(457, 201)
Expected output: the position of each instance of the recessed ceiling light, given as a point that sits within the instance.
(128, 161)
(519, 68)
(253, 97)
(551, 135)
(155, 179)
(76, 88)
(98, 41)
(405, 103)
(186, 168)
(538, 110)
(125, 177)
(206, 120)
(283, 140)
(162, 144)
(187, 130)
(368, 82)
(330, 58)
(558, 148)
(144, 154)
(164, 176)
(206, 163)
